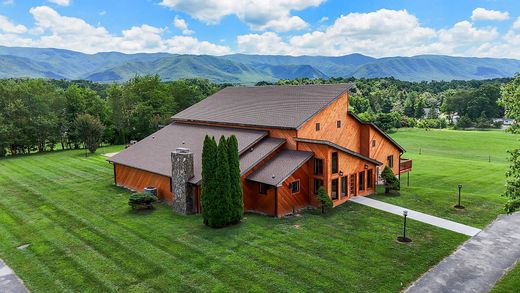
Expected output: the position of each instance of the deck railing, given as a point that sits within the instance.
(405, 165)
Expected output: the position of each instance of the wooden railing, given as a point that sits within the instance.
(405, 165)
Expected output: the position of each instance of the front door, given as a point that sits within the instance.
(353, 191)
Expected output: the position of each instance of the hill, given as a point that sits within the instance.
(242, 68)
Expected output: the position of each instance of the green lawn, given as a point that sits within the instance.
(84, 238)
(510, 282)
(444, 158)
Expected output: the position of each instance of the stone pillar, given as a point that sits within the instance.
(182, 171)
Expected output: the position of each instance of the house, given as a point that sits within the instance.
(292, 140)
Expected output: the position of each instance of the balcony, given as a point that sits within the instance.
(405, 165)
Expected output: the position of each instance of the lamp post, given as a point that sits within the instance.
(459, 206)
(403, 238)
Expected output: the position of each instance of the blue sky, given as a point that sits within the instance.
(291, 27)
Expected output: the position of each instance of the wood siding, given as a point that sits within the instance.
(137, 180)
(289, 202)
(382, 149)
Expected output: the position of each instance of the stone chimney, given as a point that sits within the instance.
(182, 171)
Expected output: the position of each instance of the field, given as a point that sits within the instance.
(83, 236)
(443, 159)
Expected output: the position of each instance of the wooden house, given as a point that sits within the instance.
(292, 140)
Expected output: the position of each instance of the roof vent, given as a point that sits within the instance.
(182, 150)
(251, 149)
(273, 176)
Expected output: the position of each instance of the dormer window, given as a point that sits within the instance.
(317, 126)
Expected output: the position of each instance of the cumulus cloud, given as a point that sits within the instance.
(257, 14)
(182, 25)
(54, 30)
(7, 26)
(485, 14)
(61, 2)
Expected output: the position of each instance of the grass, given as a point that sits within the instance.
(510, 282)
(84, 238)
(444, 158)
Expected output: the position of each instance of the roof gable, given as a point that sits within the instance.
(264, 106)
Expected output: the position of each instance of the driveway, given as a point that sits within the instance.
(479, 263)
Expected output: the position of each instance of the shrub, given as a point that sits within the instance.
(464, 122)
(141, 200)
(391, 182)
(324, 199)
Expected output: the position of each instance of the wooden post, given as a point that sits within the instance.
(408, 180)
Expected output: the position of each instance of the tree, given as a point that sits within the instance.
(391, 182)
(464, 122)
(510, 100)
(237, 199)
(324, 199)
(223, 190)
(89, 131)
(209, 181)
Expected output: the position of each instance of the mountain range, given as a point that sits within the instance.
(242, 68)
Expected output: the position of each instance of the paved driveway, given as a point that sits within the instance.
(479, 263)
(9, 282)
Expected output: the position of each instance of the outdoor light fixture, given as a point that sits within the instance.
(459, 206)
(366, 166)
(341, 173)
(403, 238)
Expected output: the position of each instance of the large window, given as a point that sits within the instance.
(370, 178)
(334, 162)
(334, 189)
(361, 182)
(353, 185)
(317, 184)
(318, 166)
(344, 186)
(390, 160)
(262, 189)
(295, 186)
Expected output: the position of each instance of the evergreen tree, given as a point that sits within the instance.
(209, 182)
(391, 182)
(324, 199)
(236, 183)
(222, 201)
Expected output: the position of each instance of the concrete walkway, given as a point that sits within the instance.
(110, 155)
(9, 282)
(418, 216)
(479, 263)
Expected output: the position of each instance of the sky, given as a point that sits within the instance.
(378, 28)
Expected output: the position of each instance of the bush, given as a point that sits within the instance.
(141, 200)
(438, 123)
(391, 182)
(324, 199)
(464, 122)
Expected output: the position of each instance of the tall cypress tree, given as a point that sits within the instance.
(209, 182)
(237, 200)
(223, 190)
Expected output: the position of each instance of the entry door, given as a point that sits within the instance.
(353, 191)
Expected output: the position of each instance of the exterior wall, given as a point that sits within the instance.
(383, 149)
(137, 180)
(289, 202)
(348, 135)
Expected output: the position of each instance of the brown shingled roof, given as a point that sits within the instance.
(338, 147)
(265, 106)
(259, 152)
(153, 153)
(280, 167)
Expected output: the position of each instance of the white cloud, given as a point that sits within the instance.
(7, 26)
(266, 43)
(54, 30)
(103, 13)
(61, 2)
(485, 14)
(8, 2)
(516, 24)
(257, 14)
(182, 25)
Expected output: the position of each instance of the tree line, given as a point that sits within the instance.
(43, 115)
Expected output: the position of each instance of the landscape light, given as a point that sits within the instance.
(403, 238)
(459, 206)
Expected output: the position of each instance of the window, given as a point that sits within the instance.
(344, 186)
(318, 166)
(263, 188)
(361, 178)
(338, 124)
(317, 126)
(171, 184)
(352, 184)
(334, 162)
(370, 178)
(334, 189)
(295, 186)
(317, 184)
(373, 143)
(390, 160)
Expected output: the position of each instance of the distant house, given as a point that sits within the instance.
(506, 122)
(292, 140)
